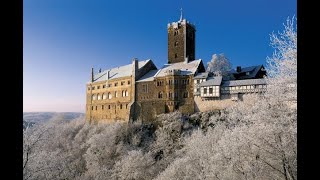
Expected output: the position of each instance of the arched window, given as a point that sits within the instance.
(115, 94)
(176, 43)
(120, 106)
(160, 95)
(99, 97)
(109, 95)
(127, 94)
(104, 96)
(94, 97)
(185, 94)
(123, 93)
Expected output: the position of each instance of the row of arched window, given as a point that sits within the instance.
(108, 95)
(170, 95)
(103, 107)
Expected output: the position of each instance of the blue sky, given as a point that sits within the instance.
(63, 39)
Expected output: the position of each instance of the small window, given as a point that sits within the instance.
(91, 107)
(99, 97)
(96, 107)
(198, 81)
(122, 83)
(204, 90)
(115, 84)
(176, 44)
(120, 106)
(126, 106)
(160, 95)
(198, 89)
(109, 85)
(127, 94)
(102, 107)
(109, 107)
(185, 94)
(93, 88)
(104, 96)
(175, 55)
(104, 86)
(98, 87)
(109, 95)
(210, 90)
(128, 82)
(93, 97)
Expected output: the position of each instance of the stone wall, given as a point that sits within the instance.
(116, 108)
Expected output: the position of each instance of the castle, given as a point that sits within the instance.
(141, 91)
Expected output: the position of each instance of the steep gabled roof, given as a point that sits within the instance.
(118, 72)
(253, 70)
(185, 68)
(212, 81)
(203, 75)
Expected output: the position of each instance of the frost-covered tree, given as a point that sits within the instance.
(282, 66)
(219, 64)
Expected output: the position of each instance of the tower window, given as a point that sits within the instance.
(176, 44)
(175, 55)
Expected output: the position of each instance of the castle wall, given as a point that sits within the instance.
(114, 108)
(163, 95)
(216, 103)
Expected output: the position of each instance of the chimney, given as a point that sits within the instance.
(186, 60)
(91, 74)
(108, 74)
(238, 68)
(135, 67)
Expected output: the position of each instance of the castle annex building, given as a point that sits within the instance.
(140, 91)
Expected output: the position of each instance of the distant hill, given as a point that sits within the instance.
(31, 118)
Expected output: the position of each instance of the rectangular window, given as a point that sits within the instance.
(198, 81)
(98, 87)
(204, 90)
(92, 108)
(104, 86)
(210, 90)
(92, 87)
(198, 89)
(122, 83)
(109, 107)
(128, 82)
(102, 107)
(115, 84)
(96, 107)
(145, 88)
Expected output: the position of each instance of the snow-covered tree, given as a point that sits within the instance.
(219, 64)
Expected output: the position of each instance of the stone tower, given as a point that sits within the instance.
(181, 41)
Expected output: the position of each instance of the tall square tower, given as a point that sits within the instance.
(181, 41)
